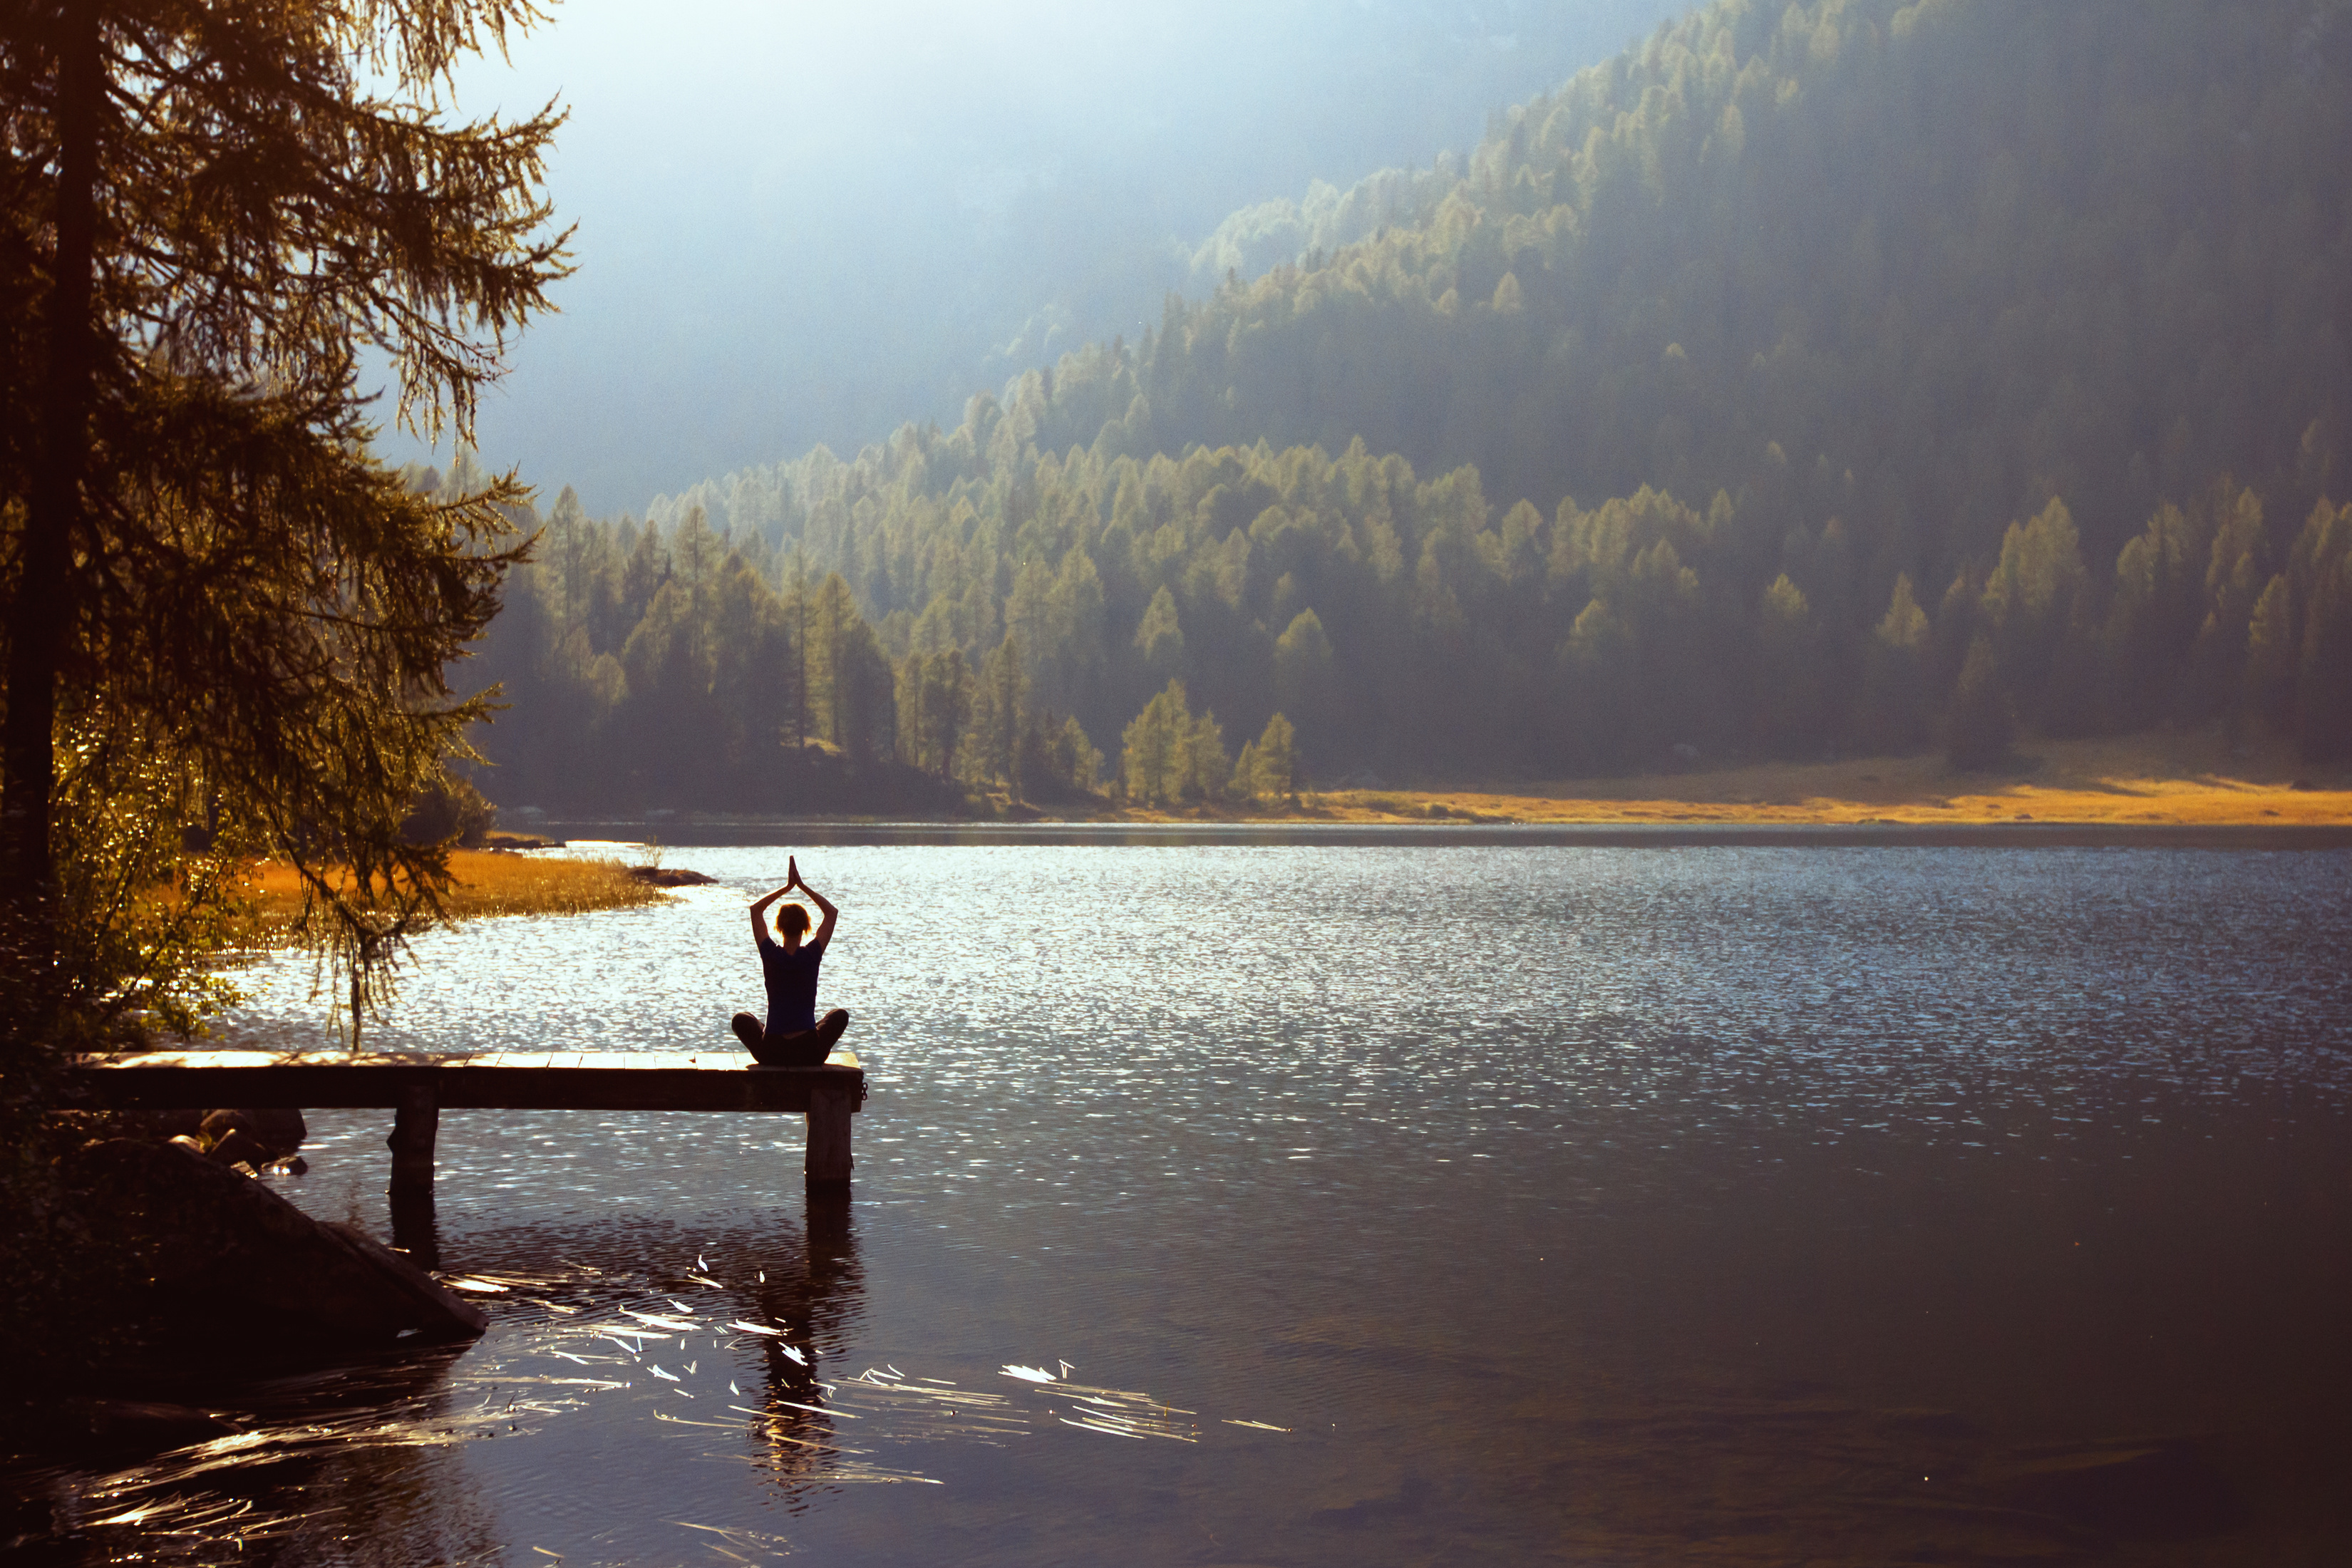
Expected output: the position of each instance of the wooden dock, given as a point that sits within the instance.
(419, 1086)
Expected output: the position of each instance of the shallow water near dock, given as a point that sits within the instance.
(1286, 1202)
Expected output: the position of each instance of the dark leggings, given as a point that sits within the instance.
(797, 1048)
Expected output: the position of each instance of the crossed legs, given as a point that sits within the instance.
(798, 1048)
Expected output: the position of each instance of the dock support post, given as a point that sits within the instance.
(413, 1229)
(414, 1127)
(828, 1138)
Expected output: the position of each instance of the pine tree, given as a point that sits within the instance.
(1892, 710)
(2271, 654)
(1304, 681)
(209, 211)
(1981, 722)
(1244, 783)
(1276, 773)
(996, 717)
(948, 705)
(2031, 603)
(1153, 747)
(864, 707)
(1202, 767)
(2152, 617)
(1076, 762)
(1791, 701)
(1159, 636)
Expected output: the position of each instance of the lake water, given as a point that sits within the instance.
(1379, 1202)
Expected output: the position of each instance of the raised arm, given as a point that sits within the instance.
(823, 905)
(759, 911)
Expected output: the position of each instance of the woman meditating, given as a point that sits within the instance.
(794, 1037)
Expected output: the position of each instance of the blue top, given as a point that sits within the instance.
(790, 975)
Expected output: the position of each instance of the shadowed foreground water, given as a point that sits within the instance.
(1269, 1204)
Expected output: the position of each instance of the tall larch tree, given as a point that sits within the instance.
(211, 210)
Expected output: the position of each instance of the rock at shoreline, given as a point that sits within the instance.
(512, 843)
(257, 1138)
(670, 877)
(228, 1264)
(237, 1146)
(219, 1125)
(174, 1124)
(277, 1129)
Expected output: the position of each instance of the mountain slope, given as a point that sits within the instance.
(1970, 253)
(1955, 365)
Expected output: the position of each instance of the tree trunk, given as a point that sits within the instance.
(42, 612)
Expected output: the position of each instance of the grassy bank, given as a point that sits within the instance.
(2200, 779)
(488, 882)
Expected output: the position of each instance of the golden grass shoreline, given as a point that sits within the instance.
(487, 883)
(2185, 780)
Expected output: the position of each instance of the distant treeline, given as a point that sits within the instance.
(1003, 627)
(1912, 339)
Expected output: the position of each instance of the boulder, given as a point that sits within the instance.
(238, 1147)
(174, 1124)
(229, 1264)
(219, 1125)
(276, 1128)
(670, 877)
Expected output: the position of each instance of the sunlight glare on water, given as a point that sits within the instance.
(1400, 1202)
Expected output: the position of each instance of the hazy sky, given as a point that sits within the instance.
(805, 222)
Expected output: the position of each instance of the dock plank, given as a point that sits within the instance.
(609, 1080)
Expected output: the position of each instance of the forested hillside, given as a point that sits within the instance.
(1956, 367)
(1926, 266)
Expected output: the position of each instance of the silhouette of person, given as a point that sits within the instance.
(793, 1038)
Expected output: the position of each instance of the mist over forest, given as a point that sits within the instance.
(1849, 375)
(810, 224)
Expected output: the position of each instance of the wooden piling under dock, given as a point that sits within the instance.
(416, 1087)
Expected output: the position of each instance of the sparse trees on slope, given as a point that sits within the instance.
(2323, 693)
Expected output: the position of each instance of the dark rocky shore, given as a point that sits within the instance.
(181, 1255)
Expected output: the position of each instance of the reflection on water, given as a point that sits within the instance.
(806, 1304)
(1405, 1202)
(354, 1464)
(416, 1225)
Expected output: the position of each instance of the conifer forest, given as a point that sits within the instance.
(1847, 376)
